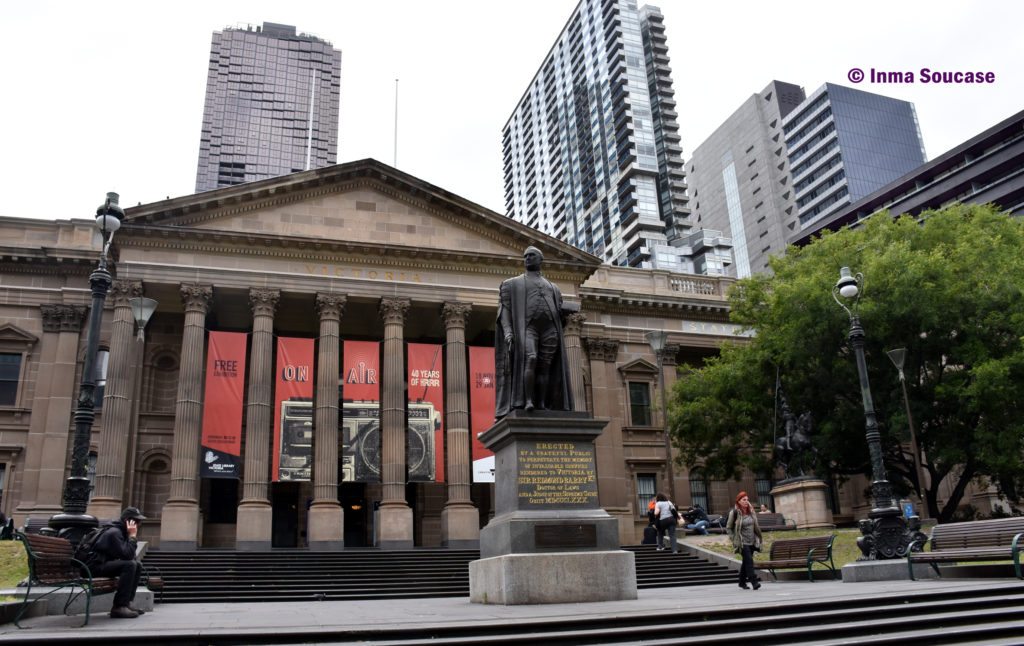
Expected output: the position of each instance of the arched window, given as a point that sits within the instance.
(763, 486)
(163, 383)
(699, 489)
(154, 484)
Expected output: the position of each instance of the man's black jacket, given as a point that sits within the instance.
(114, 544)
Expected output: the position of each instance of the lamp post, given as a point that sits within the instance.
(657, 340)
(885, 534)
(899, 357)
(73, 523)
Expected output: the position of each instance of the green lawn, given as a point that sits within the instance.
(844, 549)
(13, 563)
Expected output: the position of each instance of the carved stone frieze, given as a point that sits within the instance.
(121, 291)
(393, 310)
(602, 349)
(196, 298)
(669, 354)
(574, 323)
(264, 301)
(62, 318)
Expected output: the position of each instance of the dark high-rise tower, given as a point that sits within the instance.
(592, 152)
(271, 105)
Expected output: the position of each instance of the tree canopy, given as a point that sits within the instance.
(948, 287)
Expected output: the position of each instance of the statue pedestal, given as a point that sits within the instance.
(549, 541)
(804, 500)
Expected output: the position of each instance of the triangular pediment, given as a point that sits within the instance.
(364, 204)
(13, 334)
(639, 368)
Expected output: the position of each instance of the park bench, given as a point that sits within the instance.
(998, 539)
(772, 522)
(799, 552)
(51, 564)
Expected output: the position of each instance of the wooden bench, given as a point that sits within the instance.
(799, 552)
(772, 522)
(999, 539)
(51, 563)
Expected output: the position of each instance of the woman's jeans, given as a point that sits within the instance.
(747, 573)
(667, 525)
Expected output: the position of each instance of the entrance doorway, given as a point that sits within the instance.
(357, 510)
(285, 519)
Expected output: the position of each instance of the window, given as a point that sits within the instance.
(699, 490)
(645, 483)
(10, 373)
(639, 403)
(102, 362)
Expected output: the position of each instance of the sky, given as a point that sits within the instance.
(108, 96)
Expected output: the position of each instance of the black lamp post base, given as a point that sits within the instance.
(73, 526)
(888, 535)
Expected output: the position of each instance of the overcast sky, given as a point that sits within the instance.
(102, 96)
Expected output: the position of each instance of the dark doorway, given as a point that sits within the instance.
(285, 499)
(356, 509)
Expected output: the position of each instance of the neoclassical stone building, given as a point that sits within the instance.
(354, 253)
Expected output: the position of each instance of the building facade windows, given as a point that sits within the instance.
(10, 378)
(699, 489)
(640, 403)
(646, 489)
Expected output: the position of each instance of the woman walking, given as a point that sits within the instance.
(666, 514)
(745, 533)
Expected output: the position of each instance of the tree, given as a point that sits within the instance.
(948, 287)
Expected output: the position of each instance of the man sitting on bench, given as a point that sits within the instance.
(113, 555)
(697, 520)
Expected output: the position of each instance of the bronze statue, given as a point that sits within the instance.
(531, 371)
(794, 451)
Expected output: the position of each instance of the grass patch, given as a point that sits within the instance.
(13, 563)
(844, 549)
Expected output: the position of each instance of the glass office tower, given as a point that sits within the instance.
(271, 105)
(591, 151)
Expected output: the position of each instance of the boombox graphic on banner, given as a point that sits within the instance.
(424, 439)
(293, 410)
(359, 418)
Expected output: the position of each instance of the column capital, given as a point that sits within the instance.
(602, 349)
(668, 354)
(62, 318)
(574, 323)
(331, 306)
(196, 297)
(393, 310)
(455, 313)
(121, 291)
(264, 301)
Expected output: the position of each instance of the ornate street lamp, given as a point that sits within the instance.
(899, 357)
(73, 523)
(885, 531)
(657, 340)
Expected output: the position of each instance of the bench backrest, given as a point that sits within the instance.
(996, 532)
(49, 558)
(797, 548)
(768, 519)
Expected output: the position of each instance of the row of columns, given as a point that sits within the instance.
(180, 522)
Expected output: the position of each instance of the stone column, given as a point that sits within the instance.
(326, 530)
(394, 521)
(112, 461)
(46, 450)
(255, 514)
(460, 520)
(668, 378)
(574, 354)
(179, 526)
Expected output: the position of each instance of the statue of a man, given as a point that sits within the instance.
(529, 351)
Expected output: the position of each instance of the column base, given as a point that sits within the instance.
(254, 524)
(326, 530)
(554, 577)
(460, 527)
(179, 527)
(394, 527)
(104, 509)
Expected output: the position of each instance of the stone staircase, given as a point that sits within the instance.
(300, 575)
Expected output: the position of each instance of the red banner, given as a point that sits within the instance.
(360, 412)
(481, 409)
(222, 411)
(424, 445)
(293, 410)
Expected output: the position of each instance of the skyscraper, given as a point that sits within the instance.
(784, 160)
(591, 151)
(271, 105)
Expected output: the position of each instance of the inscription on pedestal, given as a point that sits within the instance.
(556, 475)
(563, 536)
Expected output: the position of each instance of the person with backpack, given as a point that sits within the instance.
(109, 551)
(746, 538)
(667, 517)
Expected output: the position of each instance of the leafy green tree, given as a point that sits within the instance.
(949, 289)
